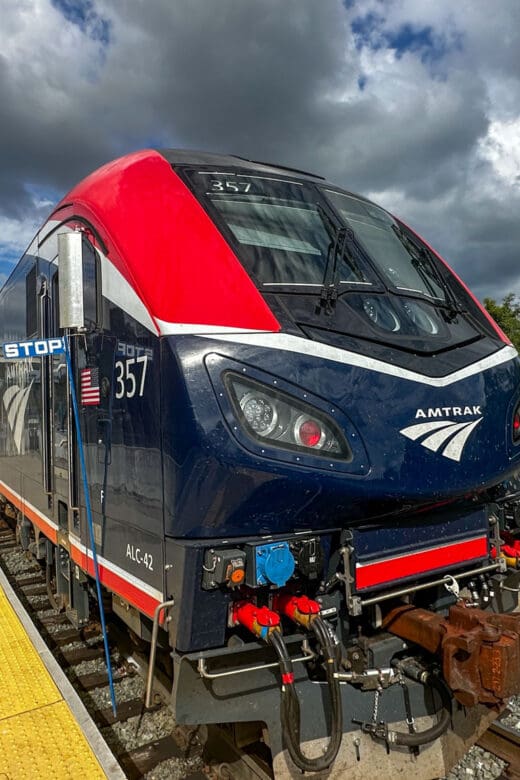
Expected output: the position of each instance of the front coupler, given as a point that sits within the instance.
(479, 651)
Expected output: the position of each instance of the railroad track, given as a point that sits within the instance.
(148, 743)
(504, 742)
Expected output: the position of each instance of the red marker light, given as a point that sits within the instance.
(516, 424)
(310, 433)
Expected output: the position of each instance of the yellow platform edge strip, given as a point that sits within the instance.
(47, 744)
(41, 733)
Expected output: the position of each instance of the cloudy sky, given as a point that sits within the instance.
(415, 103)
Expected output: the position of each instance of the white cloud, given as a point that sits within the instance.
(17, 234)
(502, 148)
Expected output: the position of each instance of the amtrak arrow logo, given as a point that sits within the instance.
(446, 436)
(15, 403)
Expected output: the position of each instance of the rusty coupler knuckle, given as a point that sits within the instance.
(479, 651)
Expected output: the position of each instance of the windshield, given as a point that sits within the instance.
(283, 238)
(300, 239)
(395, 255)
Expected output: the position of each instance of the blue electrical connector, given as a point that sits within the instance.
(273, 563)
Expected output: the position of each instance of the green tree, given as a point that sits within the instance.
(507, 315)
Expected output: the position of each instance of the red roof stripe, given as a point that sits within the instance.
(163, 242)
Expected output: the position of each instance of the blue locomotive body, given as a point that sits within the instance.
(387, 472)
(302, 440)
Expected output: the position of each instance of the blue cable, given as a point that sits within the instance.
(90, 524)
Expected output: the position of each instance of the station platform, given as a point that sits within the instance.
(45, 731)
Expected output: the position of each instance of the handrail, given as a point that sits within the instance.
(90, 523)
(153, 650)
(203, 669)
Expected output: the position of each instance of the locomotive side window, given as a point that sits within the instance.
(91, 287)
(55, 294)
(31, 311)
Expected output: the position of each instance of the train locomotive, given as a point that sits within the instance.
(302, 443)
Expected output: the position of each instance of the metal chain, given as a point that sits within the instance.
(375, 711)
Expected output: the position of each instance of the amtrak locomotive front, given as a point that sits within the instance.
(302, 438)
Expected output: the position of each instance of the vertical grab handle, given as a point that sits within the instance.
(45, 389)
(153, 650)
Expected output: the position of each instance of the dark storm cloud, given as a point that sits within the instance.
(279, 81)
(250, 78)
(402, 107)
(244, 78)
(45, 133)
(488, 244)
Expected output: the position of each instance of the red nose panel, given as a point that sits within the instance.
(163, 242)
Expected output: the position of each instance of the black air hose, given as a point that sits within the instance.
(290, 705)
(435, 731)
(330, 655)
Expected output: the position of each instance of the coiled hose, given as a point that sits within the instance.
(290, 705)
(434, 732)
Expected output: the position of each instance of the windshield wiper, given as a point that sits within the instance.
(430, 274)
(341, 236)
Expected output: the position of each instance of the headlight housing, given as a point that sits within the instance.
(271, 416)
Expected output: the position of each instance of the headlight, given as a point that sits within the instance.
(420, 318)
(269, 415)
(260, 413)
(380, 313)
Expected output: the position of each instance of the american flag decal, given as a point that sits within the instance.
(89, 386)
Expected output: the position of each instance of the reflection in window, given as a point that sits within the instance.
(281, 236)
(31, 311)
(374, 228)
(59, 386)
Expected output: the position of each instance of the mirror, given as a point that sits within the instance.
(70, 280)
